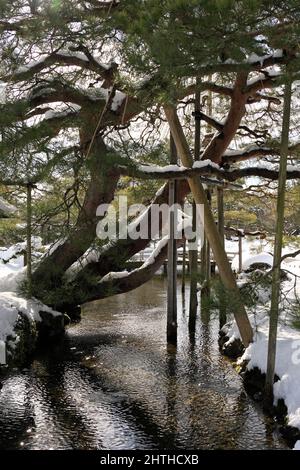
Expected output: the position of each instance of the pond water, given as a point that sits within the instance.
(113, 383)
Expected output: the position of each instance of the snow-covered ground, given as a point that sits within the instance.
(287, 366)
(288, 344)
(12, 273)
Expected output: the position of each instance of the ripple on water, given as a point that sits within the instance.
(114, 384)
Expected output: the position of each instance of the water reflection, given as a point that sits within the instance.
(113, 383)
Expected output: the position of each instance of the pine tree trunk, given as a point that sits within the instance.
(101, 189)
(275, 295)
(210, 228)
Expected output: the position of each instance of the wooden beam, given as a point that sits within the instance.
(240, 254)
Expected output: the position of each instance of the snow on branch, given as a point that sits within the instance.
(124, 281)
(254, 151)
(64, 58)
(252, 63)
(205, 168)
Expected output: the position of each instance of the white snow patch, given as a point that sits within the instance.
(265, 258)
(54, 113)
(287, 365)
(11, 305)
(176, 168)
(76, 54)
(118, 100)
(114, 275)
(6, 208)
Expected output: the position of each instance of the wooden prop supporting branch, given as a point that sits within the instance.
(210, 228)
(205, 291)
(172, 257)
(240, 254)
(220, 203)
(275, 295)
(193, 254)
(28, 240)
(183, 266)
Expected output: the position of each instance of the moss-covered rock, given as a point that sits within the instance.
(230, 348)
(21, 345)
(29, 332)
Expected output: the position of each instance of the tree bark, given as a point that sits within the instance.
(114, 256)
(101, 189)
(219, 144)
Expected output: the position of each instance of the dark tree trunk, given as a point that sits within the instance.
(101, 189)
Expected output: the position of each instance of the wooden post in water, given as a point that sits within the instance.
(240, 253)
(221, 221)
(172, 257)
(28, 240)
(183, 266)
(194, 253)
(208, 267)
(220, 202)
(205, 259)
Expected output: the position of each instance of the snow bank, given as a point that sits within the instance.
(12, 271)
(12, 308)
(11, 305)
(18, 339)
(264, 258)
(287, 366)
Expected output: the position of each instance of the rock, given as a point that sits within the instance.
(232, 349)
(74, 313)
(28, 334)
(51, 326)
(254, 383)
(21, 346)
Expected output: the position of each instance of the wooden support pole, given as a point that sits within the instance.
(240, 254)
(194, 252)
(172, 258)
(208, 267)
(28, 241)
(183, 266)
(275, 295)
(210, 227)
(220, 204)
